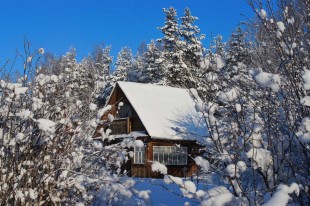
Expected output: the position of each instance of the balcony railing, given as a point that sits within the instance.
(120, 126)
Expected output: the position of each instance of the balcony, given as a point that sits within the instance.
(121, 126)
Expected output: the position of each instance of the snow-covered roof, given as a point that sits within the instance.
(133, 134)
(166, 112)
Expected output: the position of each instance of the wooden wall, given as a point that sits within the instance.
(138, 170)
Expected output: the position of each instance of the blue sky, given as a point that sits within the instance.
(56, 25)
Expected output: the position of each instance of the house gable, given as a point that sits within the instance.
(118, 96)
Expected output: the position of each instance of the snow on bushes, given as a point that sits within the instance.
(281, 196)
(202, 163)
(281, 26)
(58, 107)
(235, 170)
(261, 157)
(138, 143)
(46, 125)
(304, 134)
(268, 80)
(305, 101)
(263, 14)
(228, 96)
(220, 196)
(158, 167)
(306, 78)
(220, 63)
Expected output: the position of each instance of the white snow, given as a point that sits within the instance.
(281, 26)
(205, 63)
(92, 106)
(241, 165)
(19, 137)
(200, 107)
(176, 180)
(54, 78)
(281, 196)
(232, 170)
(306, 78)
(268, 80)
(138, 143)
(46, 125)
(37, 103)
(102, 111)
(305, 138)
(24, 114)
(256, 138)
(33, 194)
(190, 186)
(122, 190)
(211, 77)
(220, 63)
(158, 167)
(111, 117)
(218, 196)
(166, 112)
(228, 96)
(261, 158)
(238, 107)
(306, 124)
(291, 20)
(41, 51)
(305, 101)
(19, 89)
(145, 194)
(29, 59)
(262, 14)
(202, 163)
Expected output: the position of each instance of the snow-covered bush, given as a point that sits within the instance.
(258, 118)
(47, 152)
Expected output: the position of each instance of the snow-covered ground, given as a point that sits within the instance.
(162, 194)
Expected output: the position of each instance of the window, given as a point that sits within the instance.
(170, 155)
(139, 156)
(124, 111)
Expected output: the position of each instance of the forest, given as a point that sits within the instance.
(252, 92)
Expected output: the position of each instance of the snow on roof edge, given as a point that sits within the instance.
(108, 99)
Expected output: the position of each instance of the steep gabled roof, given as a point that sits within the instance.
(166, 112)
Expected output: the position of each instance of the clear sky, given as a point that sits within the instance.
(56, 25)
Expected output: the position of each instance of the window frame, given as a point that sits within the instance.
(170, 155)
(140, 151)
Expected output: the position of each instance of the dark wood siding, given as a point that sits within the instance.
(145, 170)
(116, 97)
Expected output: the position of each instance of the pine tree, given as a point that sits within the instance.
(152, 72)
(238, 48)
(123, 64)
(175, 70)
(193, 49)
(134, 73)
(103, 60)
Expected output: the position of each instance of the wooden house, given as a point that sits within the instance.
(165, 119)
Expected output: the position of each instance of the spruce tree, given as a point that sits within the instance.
(152, 72)
(175, 70)
(123, 64)
(193, 49)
